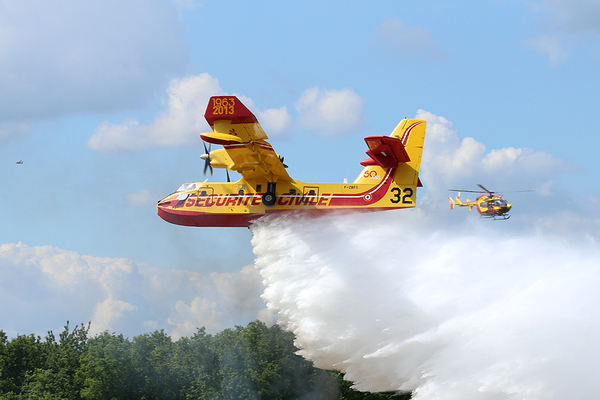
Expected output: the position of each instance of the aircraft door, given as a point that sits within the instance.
(205, 196)
(310, 195)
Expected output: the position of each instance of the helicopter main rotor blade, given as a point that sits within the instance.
(481, 186)
(469, 191)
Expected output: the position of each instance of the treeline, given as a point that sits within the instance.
(252, 362)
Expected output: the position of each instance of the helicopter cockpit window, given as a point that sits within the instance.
(500, 203)
(187, 186)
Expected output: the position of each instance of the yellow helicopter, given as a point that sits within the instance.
(488, 205)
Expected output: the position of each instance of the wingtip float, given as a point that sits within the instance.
(388, 181)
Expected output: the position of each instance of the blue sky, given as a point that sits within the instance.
(104, 101)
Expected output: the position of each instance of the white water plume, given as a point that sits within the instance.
(400, 303)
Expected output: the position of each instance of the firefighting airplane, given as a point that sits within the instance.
(388, 181)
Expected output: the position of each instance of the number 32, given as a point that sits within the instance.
(399, 197)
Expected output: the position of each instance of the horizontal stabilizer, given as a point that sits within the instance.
(385, 151)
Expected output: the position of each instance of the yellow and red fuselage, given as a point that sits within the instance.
(237, 204)
(388, 181)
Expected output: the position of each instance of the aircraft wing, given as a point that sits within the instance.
(244, 140)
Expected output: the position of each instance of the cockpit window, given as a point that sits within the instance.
(186, 187)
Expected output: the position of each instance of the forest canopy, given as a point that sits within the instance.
(252, 362)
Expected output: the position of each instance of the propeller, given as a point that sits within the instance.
(206, 158)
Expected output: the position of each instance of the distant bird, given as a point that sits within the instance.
(20, 162)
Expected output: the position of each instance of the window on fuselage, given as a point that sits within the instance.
(186, 187)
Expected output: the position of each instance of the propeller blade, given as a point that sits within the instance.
(206, 158)
(227, 172)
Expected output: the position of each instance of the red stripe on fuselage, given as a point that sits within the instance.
(358, 199)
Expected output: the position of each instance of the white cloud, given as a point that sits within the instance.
(200, 312)
(181, 122)
(109, 310)
(449, 161)
(565, 26)
(330, 112)
(65, 57)
(406, 42)
(275, 120)
(511, 160)
(118, 294)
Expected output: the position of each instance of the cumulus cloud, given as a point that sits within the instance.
(450, 161)
(119, 294)
(181, 122)
(275, 120)
(330, 112)
(406, 42)
(564, 26)
(65, 57)
(200, 312)
(110, 310)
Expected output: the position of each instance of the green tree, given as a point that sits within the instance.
(234, 366)
(198, 365)
(106, 370)
(55, 378)
(279, 373)
(152, 357)
(347, 393)
(252, 362)
(18, 357)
